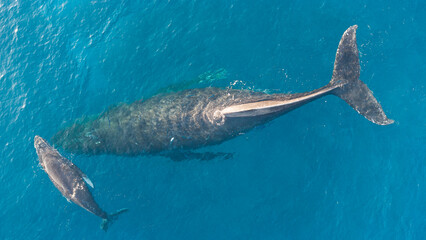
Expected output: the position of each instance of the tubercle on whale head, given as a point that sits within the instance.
(40, 144)
(42, 147)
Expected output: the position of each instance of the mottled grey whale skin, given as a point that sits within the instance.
(70, 180)
(200, 117)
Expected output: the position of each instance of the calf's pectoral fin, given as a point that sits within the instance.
(87, 180)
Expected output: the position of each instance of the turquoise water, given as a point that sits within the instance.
(319, 172)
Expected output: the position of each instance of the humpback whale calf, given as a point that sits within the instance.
(195, 118)
(70, 180)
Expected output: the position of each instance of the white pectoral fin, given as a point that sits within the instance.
(87, 180)
(254, 109)
(271, 106)
(84, 176)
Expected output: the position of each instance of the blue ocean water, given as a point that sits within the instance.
(319, 172)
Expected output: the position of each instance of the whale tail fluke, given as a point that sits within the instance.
(106, 222)
(346, 81)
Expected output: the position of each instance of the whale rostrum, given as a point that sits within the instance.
(195, 118)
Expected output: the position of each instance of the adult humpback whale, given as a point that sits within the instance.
(70, 180)
(199, 117)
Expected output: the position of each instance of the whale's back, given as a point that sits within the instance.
(187, 119)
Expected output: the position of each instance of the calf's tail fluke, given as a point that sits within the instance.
(346, 81)
(111, 218)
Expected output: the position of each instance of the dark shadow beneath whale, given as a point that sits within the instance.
(195, 118)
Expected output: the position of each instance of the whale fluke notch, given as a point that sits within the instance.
(352, 90)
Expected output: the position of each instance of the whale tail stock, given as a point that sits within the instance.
(111, 218)
(347, 85)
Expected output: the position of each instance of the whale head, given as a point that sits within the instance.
(40, 144)
(43, 149)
